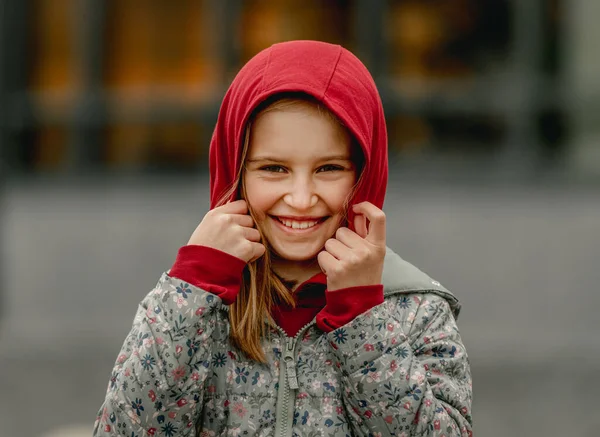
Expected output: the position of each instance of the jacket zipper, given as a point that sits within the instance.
(288, 384)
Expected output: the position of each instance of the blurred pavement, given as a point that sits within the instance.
(524, 260)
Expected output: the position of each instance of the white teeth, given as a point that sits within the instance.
(298, 225)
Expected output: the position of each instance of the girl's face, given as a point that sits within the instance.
(298, 174)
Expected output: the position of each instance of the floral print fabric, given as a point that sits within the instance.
(399, 369)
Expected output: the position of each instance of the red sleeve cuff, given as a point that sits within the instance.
(344, 305)
(210, 269)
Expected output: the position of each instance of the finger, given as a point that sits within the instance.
(235, 207)
(326, 261)
(348, 237)
(360, 225)
(258, 250)
(242, 220)
(336, 248)
(251, 234)
(376, 217)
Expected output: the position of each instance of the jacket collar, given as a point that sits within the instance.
(401, 277)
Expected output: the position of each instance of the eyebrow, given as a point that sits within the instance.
(273, 159)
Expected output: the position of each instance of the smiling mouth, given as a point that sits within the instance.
(299, 224)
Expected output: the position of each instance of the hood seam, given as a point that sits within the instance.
(337, 61)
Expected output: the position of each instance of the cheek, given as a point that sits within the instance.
(258, 196)
(336, 195)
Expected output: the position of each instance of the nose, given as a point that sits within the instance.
(301, 195)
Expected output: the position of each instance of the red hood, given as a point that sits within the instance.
(329, 73)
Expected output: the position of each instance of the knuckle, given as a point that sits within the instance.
(238, 233)
(226, 219)
(363, 255)
(338, 269)
(351, 263)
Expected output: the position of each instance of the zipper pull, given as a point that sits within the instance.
(290, 365)
(291, 372)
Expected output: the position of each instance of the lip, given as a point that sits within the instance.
(285, 229)
(300, 218)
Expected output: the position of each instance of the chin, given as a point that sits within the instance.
(298, 254)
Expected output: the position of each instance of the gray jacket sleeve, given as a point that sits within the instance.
(153, 389)
(405, 369)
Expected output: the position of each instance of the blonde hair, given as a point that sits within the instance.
(261, 288)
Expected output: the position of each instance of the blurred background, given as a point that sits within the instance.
(493, 108)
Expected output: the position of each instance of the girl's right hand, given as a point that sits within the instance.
(230, 229)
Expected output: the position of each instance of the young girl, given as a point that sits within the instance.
(285, 314)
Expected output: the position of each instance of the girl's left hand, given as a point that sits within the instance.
(353, 259)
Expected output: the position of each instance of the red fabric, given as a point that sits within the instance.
(220, 273)
(345, 304)
(329, 73)
(210, 269)
(310, 299)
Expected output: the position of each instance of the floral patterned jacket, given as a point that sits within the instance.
(400, 369)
